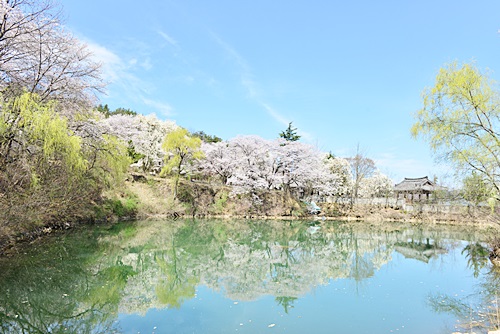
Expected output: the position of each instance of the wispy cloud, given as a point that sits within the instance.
(146, 64)
(164, 109)
(121, 73)
(167, 38)
(251, 86)
(274, 114)
(111, 64)
(246, 76)
(284, 121)
(117, 71)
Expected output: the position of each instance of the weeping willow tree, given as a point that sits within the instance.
(32, 133)
(460, 120)
(47, 172)
(182, 149)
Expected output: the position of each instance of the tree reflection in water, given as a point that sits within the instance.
(82, 281)
(480, 311)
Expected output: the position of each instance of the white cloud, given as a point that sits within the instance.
(164, 108)
(284, 121)
(274, 114)
(146, 64)
(252, 87)
(120, 73)
(111, 63)
(167, 38)
(246, 76)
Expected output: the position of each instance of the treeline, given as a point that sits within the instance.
(59, 152)
(55, 159)
(247, 164)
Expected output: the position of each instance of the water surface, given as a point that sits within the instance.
(250, 277)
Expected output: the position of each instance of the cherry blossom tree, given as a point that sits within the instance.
(378, 185)
(220, 160)
(340, 168)
(303, 168)
(144, 133)
(255, 171)
(251, 164)
(37, 55)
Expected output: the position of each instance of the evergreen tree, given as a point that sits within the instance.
(206, 138)
(290, 134)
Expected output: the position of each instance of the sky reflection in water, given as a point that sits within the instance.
(248, 277)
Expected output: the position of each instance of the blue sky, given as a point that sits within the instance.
(345, 72)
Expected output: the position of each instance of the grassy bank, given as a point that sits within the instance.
(148, 197)
(204, 200)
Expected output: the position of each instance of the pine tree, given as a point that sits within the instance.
(290, 134)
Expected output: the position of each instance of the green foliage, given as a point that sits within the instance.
(113, 280)
(47, 171)
(82, 280)
(196, 198)
(185, 195)
(460, 119)
(119, 208)
(132, 154)
(286, 302)
(475, 190)
(109, 162)
(330, 155)
(104, 109)
(61, 288)
(477, 257)
(174, 295)
(29, 123)
(221, 202)
(290, 134)
(181, 150)
(123, 111)
(492, 203)
(206, 137)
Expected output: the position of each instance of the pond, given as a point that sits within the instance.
(215, 276)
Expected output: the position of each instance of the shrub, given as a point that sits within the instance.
(220, 202)
(120, 209)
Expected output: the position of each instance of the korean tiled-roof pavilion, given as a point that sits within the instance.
(415, 188)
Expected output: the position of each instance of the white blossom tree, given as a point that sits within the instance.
(253, 155)
(37, 55)
(251, 163)
(341, 168)
(378, 185)
(304, 169)
(144, 133)
(220, 160)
